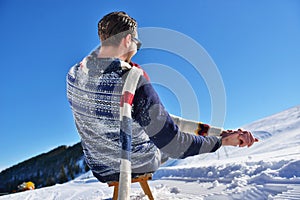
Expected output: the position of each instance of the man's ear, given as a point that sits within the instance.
(127, 41)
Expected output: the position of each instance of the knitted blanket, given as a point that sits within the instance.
(126, 128)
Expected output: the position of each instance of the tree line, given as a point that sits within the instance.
(59, 165)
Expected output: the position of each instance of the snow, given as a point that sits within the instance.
(267, 170)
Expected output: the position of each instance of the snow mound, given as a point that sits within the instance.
(268, 170)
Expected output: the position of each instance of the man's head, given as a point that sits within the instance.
(117, 29)
(117, 24)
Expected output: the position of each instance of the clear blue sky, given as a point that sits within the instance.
(255, 45)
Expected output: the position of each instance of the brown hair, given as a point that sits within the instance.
(117, 24)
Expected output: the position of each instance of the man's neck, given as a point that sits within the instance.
(110, 52)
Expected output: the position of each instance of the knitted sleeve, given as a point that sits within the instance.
(189, 126)
(150, 113)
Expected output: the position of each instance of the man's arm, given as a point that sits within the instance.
(229, 138)
(150, 113)
(189, 126)
(159, 125)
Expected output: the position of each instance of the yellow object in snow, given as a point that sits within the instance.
(26, 186)
(30, 185)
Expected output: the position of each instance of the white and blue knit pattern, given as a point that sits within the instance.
(94, 90)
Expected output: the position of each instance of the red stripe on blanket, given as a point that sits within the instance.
(127, 97)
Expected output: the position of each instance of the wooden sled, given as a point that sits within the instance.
(143, 180)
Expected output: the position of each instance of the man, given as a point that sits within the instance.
(94, 89)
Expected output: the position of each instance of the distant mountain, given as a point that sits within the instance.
(286, 120)
(57, 166)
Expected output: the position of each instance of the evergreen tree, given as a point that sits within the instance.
(70, 171)
(76, 169)
(50, 181)
(62, 178)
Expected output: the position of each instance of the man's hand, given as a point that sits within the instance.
(238, 138)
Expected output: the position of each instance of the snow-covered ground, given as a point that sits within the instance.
(268, 170)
